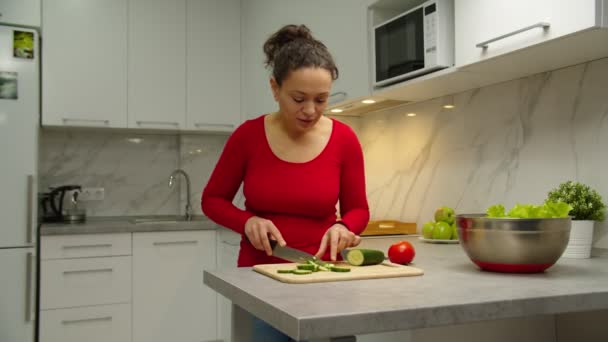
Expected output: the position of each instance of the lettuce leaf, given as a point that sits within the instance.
(497, 210)
(547, 210)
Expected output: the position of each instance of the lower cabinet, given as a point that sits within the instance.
(228, 245)
(85, 288)
(100, 323)
(170, 301)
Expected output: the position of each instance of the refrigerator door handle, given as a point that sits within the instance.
(30, 209)
(30, 292)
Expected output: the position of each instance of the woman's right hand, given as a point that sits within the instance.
(258, 230)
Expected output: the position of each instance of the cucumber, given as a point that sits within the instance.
(301, 272)
(339, 269)
(364, 257)
(285, 271)
(308, 267)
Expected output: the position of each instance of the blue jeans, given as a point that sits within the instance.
(264, 332)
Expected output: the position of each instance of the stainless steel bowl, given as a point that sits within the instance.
(511, 244)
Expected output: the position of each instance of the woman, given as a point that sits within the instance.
(295, 164)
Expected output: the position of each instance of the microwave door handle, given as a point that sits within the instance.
(543, 24)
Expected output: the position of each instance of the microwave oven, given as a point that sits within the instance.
(414, 43)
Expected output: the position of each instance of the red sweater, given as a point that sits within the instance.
(299, 198)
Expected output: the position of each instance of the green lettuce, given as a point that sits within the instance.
(548, 209)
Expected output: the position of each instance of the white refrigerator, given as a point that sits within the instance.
(19, 122)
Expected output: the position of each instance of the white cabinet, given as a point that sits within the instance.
(228, 246)
(170, 301)
(340, 24)
(157, 64)
(17, 294)
(20, 12)
(100, 323)
(84, 73)
(478, 21)
(213, 63)
(85, 287)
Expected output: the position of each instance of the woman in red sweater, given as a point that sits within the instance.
(295, 164)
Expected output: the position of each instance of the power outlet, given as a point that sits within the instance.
(92, 194)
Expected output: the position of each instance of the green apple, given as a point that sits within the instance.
(442, 231)
(454, 232)
(427, 230)
(445, 214)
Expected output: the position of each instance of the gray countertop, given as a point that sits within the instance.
(127, 224)
(452, 291)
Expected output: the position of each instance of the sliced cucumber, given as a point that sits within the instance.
(307, 267)
(339, 269)
(301, 272)
(364, 257)
(285, 271)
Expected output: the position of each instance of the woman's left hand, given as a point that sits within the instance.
(337, 237)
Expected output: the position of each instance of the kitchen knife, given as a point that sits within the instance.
(289, 254)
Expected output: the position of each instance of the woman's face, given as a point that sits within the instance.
(302, 97)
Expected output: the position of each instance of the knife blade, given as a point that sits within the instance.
(289, 254)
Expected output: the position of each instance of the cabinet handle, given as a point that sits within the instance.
(157, 123)
(231, 244)
(83, 320)
(30, 310)
(88, 246)
(166, 243)
(212, 125)
(484, 45)
(91, 121)
(99, 270)
(333, 100)
(30, 209)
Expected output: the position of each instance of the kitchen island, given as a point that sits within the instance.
(452, 291)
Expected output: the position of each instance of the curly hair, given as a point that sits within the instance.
(293, 47)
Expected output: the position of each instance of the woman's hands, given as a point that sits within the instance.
(338, 237)
(258, 229)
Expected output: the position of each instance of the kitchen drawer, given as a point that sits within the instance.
(79, 282)
(84, 245)
(92, 324)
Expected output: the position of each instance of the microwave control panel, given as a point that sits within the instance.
(430, 32)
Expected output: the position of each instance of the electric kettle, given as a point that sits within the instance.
(52, 205)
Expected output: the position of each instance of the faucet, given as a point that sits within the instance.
(172, 181)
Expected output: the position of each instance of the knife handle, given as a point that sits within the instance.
(273, 243)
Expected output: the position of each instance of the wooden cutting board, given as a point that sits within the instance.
(356, 272)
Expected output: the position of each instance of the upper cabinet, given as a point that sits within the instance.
(498, 41)
(157, 64)
(84, 64)
(487, 29)
(213, 64)
(143, 64)
(20, 12)
(340, 24)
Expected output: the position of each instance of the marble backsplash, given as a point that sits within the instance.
(506, 143)
(133, 168)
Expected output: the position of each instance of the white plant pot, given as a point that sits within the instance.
(581, 239)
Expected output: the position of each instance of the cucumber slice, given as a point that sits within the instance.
(307, 267)
(285, 271)
(301, 272)
(363, 257)
(339, 269)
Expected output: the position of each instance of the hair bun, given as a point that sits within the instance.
(284, 36)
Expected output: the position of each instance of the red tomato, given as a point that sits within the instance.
(401, 252)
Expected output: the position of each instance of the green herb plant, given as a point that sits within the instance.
(586, 203)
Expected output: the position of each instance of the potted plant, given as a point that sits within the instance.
(587, 207)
